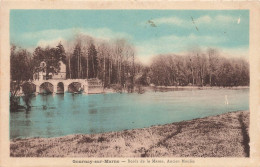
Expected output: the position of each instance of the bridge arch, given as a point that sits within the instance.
(60, 87)
(46, 87)
(75, 86)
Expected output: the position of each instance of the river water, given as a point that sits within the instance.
(64, 114)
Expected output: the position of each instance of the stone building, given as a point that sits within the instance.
(41, 74)
(61, 72)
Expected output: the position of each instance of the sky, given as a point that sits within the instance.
(152, 32)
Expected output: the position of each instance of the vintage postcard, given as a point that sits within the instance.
(136, 83)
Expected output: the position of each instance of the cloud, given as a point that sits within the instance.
(51, 43)
(205, 20)
(218, 20)
(47, 34)
(170, 20)
(53, 36)
(225, 19)
(241, 52)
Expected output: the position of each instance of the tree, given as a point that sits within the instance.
(51, 56)
(224, 74)
(60, 52)
(21, 70)
(213, 59)
(92, 61)
(78, 63)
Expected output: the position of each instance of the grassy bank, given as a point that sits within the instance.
(224, 135)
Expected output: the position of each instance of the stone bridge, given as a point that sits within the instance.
(64, 82)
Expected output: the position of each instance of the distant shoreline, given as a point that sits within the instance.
(224, 135)
(146, 88)
(203, 87)
(110, 90)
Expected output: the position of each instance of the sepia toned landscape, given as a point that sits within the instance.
(154, 83)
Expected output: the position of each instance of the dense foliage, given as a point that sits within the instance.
(21, 69)
(199, 69)
(51, 56)
(113, 62)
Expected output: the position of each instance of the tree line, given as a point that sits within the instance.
(199, 68)
(114, 63)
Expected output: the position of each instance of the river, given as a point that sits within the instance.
(64, 114)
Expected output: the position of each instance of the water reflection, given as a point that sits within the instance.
(27, 114)
(60, 97)
(92, 110)
(63, 114)
(27, 123)
(49, 114)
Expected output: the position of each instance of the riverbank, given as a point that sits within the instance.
(200, 87)
(224, 135)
